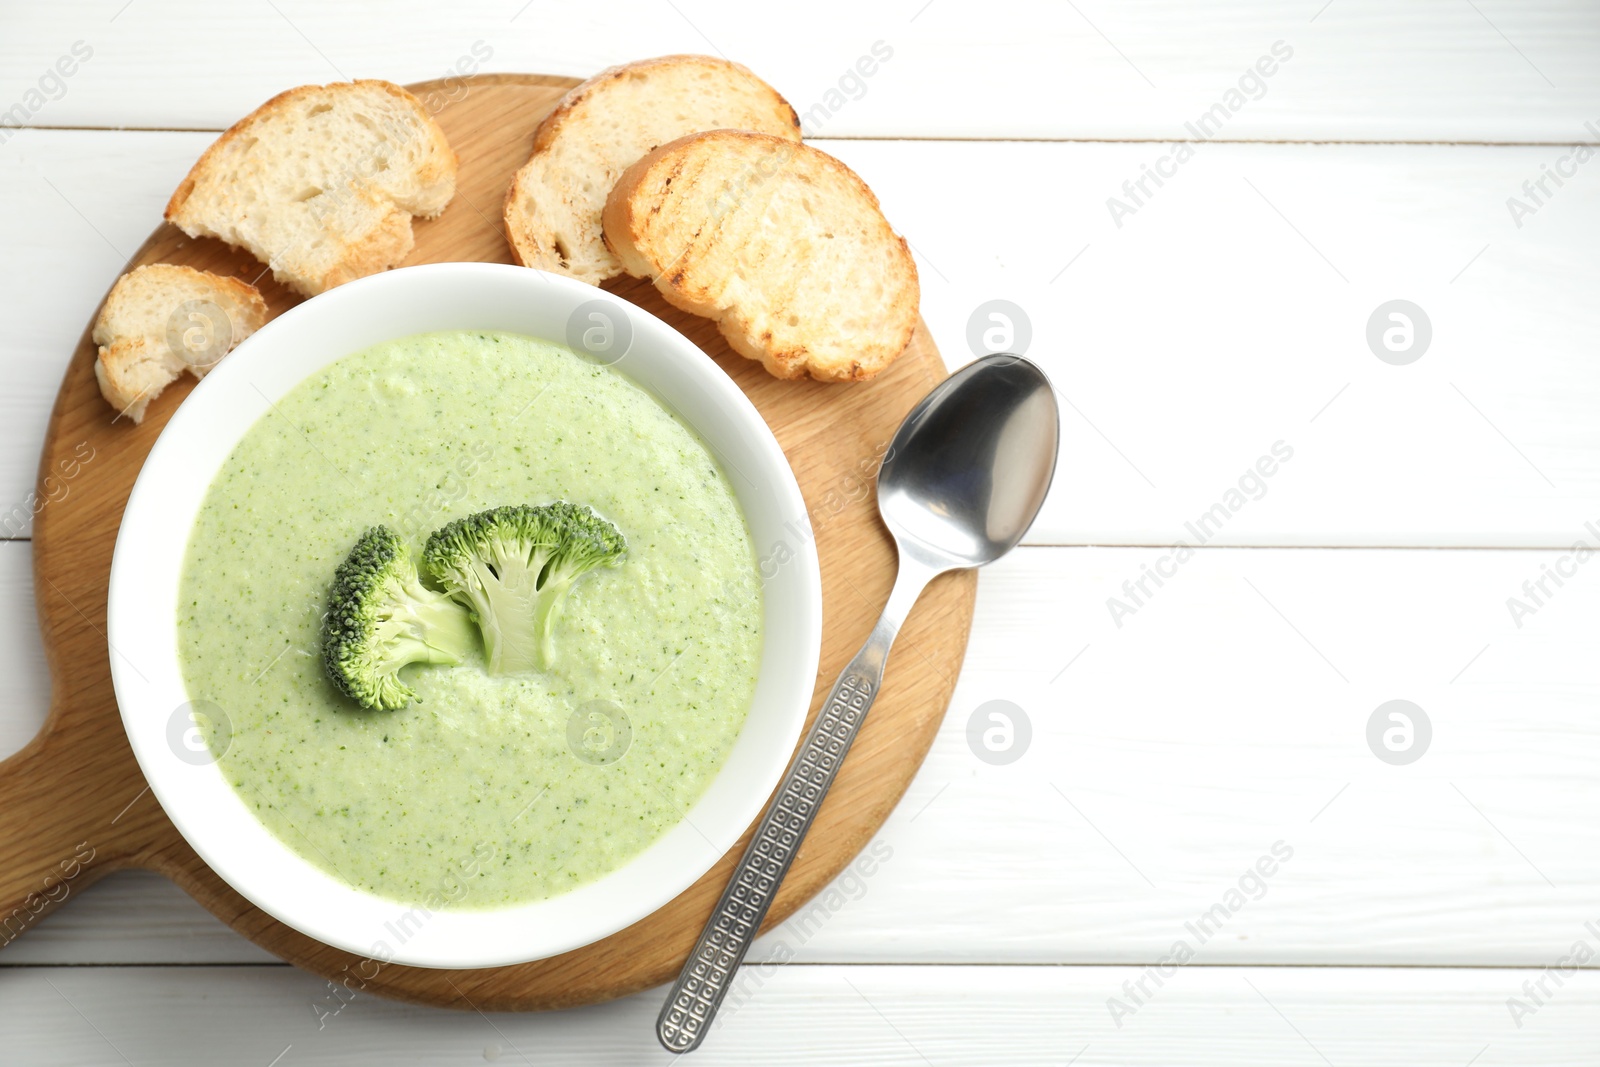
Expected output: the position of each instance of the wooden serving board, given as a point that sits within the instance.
(74, 805)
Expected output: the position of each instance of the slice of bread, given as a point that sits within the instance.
(600, 128)
(779, 243)
(160, 321)
(320, 183)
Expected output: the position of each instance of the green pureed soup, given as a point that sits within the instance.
(486, 790)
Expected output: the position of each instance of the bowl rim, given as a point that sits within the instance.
(152, 542)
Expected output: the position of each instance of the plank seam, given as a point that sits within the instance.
(912, 138)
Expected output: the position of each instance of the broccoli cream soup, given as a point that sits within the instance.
(485, 789)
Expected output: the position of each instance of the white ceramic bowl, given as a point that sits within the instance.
(142, 614)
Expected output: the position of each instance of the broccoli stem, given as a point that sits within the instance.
(552, 599)
(504, 605)
(435, 628)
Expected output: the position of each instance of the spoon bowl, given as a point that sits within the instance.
(970, 466)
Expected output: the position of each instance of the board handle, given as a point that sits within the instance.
(74, 807)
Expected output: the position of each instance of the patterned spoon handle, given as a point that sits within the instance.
(710, 969)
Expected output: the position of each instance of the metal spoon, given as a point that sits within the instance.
(961, 483)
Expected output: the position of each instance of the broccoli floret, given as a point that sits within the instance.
(513, 566)
(382, 618)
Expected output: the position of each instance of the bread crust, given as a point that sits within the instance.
(554, 126)
(387, 244)
(281, 102)
(550, 127)
(640, 199)
(243, 293)
(135, 360)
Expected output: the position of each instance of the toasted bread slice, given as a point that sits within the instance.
(320, 183)
(160, 321)
(600, 128)
(779, 243)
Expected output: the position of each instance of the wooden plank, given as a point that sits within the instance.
(25, 683)
(1187, 342)
(1230, 313)
(61, 254)
(1359, 70)
(1241, 1017)
(131, 917)
(1180, 748)
(1230, 712)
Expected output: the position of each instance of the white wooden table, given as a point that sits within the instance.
(1431, 912)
